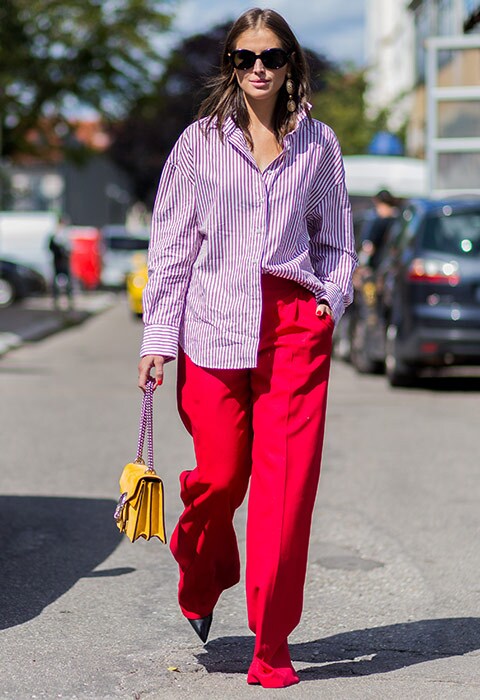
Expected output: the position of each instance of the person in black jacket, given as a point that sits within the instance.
(375, 229)
(62, 279)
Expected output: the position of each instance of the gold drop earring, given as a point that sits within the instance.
(290, 86)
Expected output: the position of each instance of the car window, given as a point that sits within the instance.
(454, 233)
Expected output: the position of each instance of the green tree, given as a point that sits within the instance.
(58, 56)
(341, 104)
(143, 140)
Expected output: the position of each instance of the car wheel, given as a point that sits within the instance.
(398, 372)
(358, 352)
(7, 293)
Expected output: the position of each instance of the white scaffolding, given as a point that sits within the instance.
(453, 157)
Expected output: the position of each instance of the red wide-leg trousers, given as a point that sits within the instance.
(264, 425)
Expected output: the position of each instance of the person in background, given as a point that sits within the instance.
(250, 266)
(62, 279)
(375, 228)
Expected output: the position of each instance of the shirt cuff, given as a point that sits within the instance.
(334, 296)
(160, 340)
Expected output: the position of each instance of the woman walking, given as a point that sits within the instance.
(250, 266)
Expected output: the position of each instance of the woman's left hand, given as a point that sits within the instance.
(323, 308)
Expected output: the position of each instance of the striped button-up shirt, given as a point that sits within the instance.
(219, 222)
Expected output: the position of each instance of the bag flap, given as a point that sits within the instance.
(132, 477)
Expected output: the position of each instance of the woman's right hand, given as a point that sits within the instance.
(144, 367)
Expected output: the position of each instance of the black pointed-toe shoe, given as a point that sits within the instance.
(202, 626)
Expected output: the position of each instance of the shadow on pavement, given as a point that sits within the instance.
(30, 323)
(359, 652)
(446, 384)
(46, 545)
(108, 573)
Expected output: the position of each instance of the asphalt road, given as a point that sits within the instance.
(393, 592)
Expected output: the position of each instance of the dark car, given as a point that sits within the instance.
(420, 307)
(17, 282)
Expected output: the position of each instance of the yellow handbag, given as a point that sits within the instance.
(140, 510)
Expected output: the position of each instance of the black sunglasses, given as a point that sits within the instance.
(243, 59)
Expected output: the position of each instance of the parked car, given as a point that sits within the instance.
(347, 345)
(19, 281)
(24, 239)
(421, 306)
(119, 246)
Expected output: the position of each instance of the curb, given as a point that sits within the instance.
(8, 341)
(40, 329)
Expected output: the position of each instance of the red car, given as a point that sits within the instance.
(85, 255)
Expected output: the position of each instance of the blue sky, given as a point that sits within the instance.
(331, 27)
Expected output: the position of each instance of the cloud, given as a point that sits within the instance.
(327, 26)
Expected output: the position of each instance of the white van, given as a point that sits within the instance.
(24, 238)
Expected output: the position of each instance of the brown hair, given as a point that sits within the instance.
(386, 197)
(226, 98)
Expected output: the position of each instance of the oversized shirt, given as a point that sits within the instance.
(219, 222)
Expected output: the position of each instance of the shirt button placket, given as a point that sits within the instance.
(262, 198)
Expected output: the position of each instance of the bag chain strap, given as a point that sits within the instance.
(146, 426)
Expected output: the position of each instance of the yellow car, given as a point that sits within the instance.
(136, 282)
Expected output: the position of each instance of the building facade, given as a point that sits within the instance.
(95, 192)
(390, 55)
(396, 36)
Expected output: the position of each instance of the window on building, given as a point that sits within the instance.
(471, 6)
(471, 15)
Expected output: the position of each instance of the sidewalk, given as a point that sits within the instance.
(36, 318)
